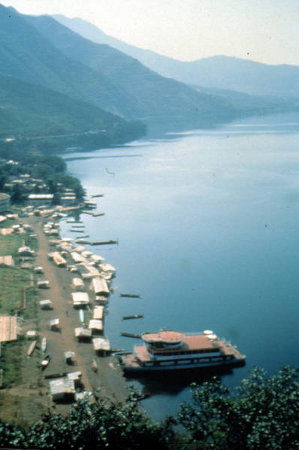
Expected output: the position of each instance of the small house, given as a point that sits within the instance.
(78, 284)
(82, 334)
(54, 324)
(99, 286)
(69, 357)
(45, 304)
(101, 346)
(98, 313)
(80, 299)
(96, 326)
(62, 390)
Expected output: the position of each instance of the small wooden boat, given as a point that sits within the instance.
(97, 195)
(31, 348)
(130, 295)
(45, 362)
(98, 214)
(94, 365)
(132, 335)
(104, 242)
(134, 316)
(81, 315)
(43, 345)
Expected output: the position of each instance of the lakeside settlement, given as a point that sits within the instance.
(54, 348)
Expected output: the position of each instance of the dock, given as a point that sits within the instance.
(134, 316)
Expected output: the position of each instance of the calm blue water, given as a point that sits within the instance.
(208, 229)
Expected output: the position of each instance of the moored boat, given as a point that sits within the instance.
(45, 362)
(43, 345)
(176, 351)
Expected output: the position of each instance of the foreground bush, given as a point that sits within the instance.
(262, 413)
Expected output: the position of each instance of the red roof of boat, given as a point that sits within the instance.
(165, 336)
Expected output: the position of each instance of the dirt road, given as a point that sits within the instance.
(108, 381)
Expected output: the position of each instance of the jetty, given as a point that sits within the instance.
(133, 316)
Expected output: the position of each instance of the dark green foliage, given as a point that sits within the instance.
(260, 414)
(17, 195)
(104, 425)
(53, 121)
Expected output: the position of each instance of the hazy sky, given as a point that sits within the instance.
(261, 30)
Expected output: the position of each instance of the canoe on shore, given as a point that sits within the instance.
(31, 348)
(43, 345)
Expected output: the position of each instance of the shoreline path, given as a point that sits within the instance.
(108, 382)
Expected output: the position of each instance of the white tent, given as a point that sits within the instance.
(80, 299)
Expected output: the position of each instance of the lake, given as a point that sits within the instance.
(208, 230)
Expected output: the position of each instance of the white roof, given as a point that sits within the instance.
(82, 332)
(74, 375)
(77, 282)
(80, 298)
(40, 196)
(79, 249)
(95, 325)
(88, 271)
(62, 386)
(99, 286)
(54, 322)
(45, 302)
(69, 354)
(98, 312)
(97, 258)
(77, 258)
(101, 344)
(107, 267)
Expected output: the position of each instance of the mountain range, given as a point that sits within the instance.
(220, 72)
(55, 82)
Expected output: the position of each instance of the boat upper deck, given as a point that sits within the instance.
(193, 343)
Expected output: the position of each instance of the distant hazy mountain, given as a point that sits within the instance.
(221, 72)
(149, 96)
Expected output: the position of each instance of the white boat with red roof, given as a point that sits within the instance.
(169, 350)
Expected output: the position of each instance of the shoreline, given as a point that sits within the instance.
(28, 401)
(108, 382)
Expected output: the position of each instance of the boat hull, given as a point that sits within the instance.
(179, 368)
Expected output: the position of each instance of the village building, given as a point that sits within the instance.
(40, 199)
(80, 299)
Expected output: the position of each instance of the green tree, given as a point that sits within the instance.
(260, 414)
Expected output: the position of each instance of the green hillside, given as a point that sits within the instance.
(150, 97)
(26, 54)
(34, 111)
